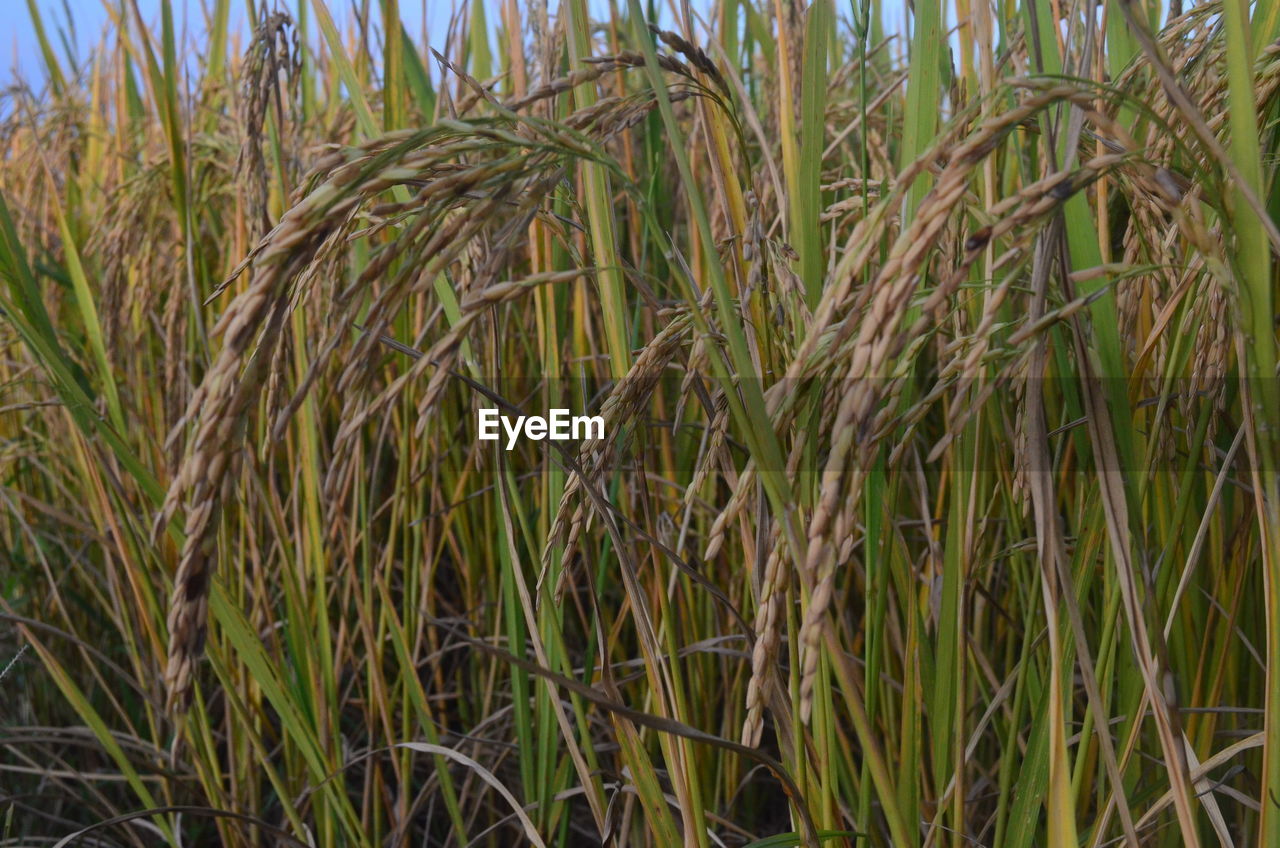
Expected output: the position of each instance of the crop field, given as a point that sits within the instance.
(718, 424)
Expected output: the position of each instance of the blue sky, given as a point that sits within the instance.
(89, 20)
(75, 26)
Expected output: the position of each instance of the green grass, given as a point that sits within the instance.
(938, 501)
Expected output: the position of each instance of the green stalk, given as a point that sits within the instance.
(807, 203)
(598, 195)
(1253, 264)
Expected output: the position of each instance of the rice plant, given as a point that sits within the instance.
(933, 499)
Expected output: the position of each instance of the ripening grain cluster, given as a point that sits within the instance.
(934, 498)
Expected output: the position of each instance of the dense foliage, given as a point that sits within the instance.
(937, 502)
